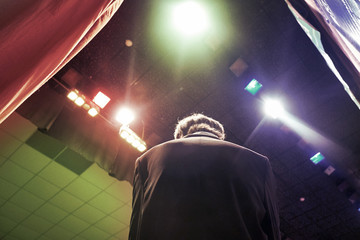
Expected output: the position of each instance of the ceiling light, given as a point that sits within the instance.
(317, 158)
(93, 112)
(274, 108)
(79, 101)
(128, 43)
(253, 87)
(124, 134)
(72, 95)
(130, 139)
(141, 148)
(190, 18)
(125, 116)
(101, 99)
(135, 143)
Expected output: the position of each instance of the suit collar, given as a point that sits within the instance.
(202, 134)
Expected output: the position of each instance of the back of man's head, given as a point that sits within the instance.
(198, 123)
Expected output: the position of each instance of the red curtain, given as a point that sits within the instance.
(38, 37)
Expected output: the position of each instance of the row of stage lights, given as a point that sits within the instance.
(124, 116)
(274, 109)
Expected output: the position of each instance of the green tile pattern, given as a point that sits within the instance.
(57, 174)
(27, 200)
(7, 189)
(30, 159)
(41, 188)
(51, 213)
(37, 223)
(73, 161)
(23, 233)
(70, 221)
(82, 189)
(8, 144)
(48, 192)
(45, 144)
(15, 174)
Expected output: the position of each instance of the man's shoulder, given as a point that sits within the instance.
(191, 142)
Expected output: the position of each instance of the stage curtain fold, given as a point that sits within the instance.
(38, 37)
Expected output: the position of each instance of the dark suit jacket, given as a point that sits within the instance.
(201, 188)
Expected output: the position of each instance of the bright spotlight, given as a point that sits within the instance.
(190, 18)
(125, 116)
(274, 108)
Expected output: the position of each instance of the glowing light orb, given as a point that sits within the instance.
(190, 18)
(274, 108)
(125, 116)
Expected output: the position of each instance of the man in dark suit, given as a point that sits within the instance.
(200, 187)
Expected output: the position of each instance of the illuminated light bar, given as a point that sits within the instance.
(253, 87)
(130, 139)
(141, 148)
(133, 139)
(93, 112)
(101, 99)
(79, 101)
(72, 95)
(317, 158)
(124, 134)
(135, 143)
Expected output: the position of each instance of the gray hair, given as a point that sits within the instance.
(198, 122)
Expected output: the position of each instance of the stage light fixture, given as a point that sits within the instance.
(72, 95)
(79, 101)
(101, 99)
(317, 158)
(190, 18)
(274, 108)
(125, 116)
(133, 139)
(141, 148)
(135, 143)
(130, 139)
(253, 87)
(93, 112)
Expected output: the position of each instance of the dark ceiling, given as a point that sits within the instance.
(163, 79)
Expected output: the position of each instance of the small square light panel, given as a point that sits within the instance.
(101, 99)
(317, 158)
(253, 87)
